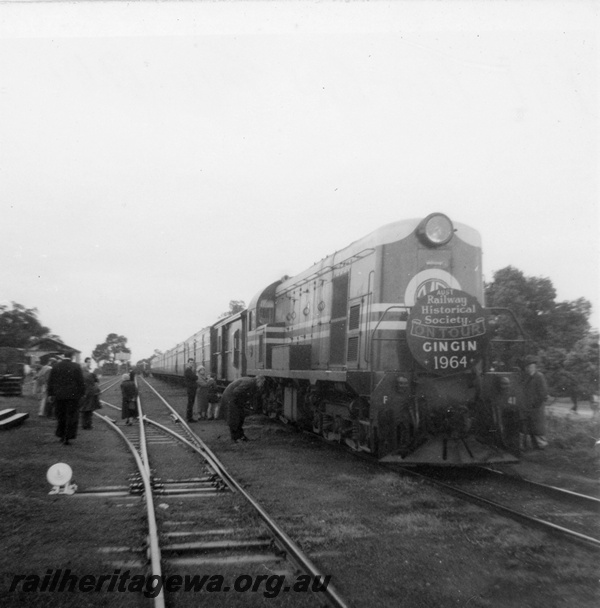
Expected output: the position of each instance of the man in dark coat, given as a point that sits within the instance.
(235, 398)
(66, 386)
(129, 394)
(190, 378)
(535, 393)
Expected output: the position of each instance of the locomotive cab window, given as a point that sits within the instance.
(265, 312)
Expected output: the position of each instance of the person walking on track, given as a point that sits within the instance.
(66, 387)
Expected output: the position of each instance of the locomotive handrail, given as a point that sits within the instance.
(311, 277)
(512, 314)
(373, 339)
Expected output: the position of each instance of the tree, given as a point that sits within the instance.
(235, 306)
(110, 347)
(19, 326)
(569, 323)
(559, 331)
(532, 299)
(583, 363)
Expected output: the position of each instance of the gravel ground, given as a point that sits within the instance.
(390, 541)
(386, 540)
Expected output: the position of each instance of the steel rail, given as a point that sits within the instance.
(143, 443)
(202, 449)
(199, 449)
(109, 385)
(523, 517)
(287, 543)
(154, 549)
(589, 541)
(590, 501)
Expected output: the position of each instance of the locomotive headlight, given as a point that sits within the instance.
(435, 230)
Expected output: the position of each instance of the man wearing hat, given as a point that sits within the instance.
(535, 393)
(190, 377)
(66, 385)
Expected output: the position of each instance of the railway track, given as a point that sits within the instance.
(191, 501)
(561, 512)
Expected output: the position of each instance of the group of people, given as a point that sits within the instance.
(203, 395)
(69, 392)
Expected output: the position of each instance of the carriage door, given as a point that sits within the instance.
(339, 311)
(225, 351)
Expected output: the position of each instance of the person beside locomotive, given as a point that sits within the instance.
(214, 406)
(202, 393)
(535, 392)
(190, 378)
(66, 386)
(236, 397)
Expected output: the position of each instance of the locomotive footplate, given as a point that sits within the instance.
(405, 419)
(449, 451)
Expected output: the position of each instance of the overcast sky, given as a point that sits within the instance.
(158, 160)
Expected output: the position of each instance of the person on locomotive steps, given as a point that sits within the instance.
(535, 393)
(66, 387)
(235, 398)
(190, 377)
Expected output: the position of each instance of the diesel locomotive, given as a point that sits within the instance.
(384, 345)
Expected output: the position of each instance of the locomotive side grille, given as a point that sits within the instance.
(353, 348)
(354, 320)
(339, 297)
(338, 328)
